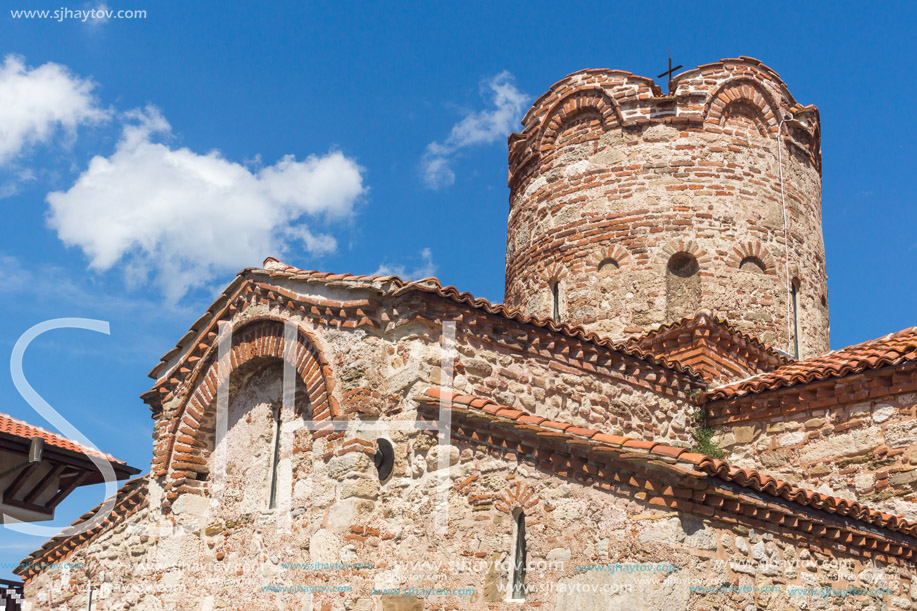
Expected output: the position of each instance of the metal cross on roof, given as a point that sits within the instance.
(670, 71)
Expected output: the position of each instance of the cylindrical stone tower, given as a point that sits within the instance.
(630, 208)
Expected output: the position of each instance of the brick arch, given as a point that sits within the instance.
(688, 246)
(180, 453)
(754, 250)
(570, 107)
(747, 97)
(517, 496)
(615, 252)
(555, 272)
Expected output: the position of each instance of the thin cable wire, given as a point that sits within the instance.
(786, 239)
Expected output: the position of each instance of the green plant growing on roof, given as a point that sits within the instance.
(703, 436)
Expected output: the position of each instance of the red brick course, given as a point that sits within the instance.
(593, 178)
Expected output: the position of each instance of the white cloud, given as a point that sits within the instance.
(99, 15)
(424, 269)
(481, 127)
(185, 217)
(35, 103)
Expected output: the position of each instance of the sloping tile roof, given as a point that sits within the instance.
(710, 345)
(395, 286)
(892, 349)
(692, 461)
(17, 428)
(130, 498)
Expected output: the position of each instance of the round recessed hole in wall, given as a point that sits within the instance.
(683, 265)
(384, 459)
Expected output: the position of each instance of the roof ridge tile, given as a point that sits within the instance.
(892, 349)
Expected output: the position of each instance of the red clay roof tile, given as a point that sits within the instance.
(615, 439)
(394, 286)
(681, 333)
(129, 497)
(668, 451)
(24, 430)
(640, 443)
(704, 464)
(578, 430)
(892, 349)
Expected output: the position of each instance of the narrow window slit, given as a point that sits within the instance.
(555, 297)
(275, 459)
(794, 292)
(519, 558)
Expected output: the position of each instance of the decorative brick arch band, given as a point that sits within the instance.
(181, 451)
(553, 273)
(617, 253)
(755, 251)
(745, 94)
(687, 246)
(572, 106)
(518, 496)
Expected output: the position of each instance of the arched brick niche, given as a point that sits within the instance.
(741, 102)
(180, 455)
(583, 115)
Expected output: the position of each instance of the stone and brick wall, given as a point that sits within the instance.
(207, 538)
(645, 208)
(383, 536)
(855, 437)
(370, 370)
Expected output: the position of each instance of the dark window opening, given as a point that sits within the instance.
(555, 298)
(608, 265)
(794, 294)
(384, 458)
(519, 558)
(683, 265)
(752, 264)
(272, 504)
(682, 286)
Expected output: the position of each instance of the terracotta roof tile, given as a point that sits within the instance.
(639, 443)
(892, 349)
(668, 451)
(130, 497)
(509, 413)
(583, 432)
(18, 428)
(613, 439)
(705, 317)
(710, 467)
(393, 285)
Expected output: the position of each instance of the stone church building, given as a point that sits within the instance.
(653, 419)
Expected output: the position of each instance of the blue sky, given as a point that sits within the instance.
(361, 138)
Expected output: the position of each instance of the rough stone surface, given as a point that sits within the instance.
(645, 210)
(605, 205)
